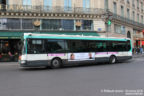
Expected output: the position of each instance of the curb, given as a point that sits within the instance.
(138, 55)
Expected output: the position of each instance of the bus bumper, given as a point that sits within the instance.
(34, 63)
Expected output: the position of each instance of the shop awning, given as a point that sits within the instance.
(18, 35)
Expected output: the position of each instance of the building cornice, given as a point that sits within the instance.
(49, 15)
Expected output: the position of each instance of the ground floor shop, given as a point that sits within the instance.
(10, 49)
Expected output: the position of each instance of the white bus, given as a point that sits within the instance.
(58, 50)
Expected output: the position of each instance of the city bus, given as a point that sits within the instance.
(53, 50)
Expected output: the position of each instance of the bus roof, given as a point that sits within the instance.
(73, 37)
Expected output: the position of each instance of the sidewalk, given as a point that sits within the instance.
(138, 55)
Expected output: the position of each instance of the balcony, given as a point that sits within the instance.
(128, 21)
(138, 35)
(122, 1)
(49, 9)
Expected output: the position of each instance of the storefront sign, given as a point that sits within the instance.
(9, 37)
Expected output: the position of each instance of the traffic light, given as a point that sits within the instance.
(109, 22)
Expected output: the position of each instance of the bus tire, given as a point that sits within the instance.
(56, 63)
(112, 60)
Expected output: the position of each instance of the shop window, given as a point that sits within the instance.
(13, 24)
(51, 24)
(27, 24)
(68, 24)
(87, 24)
(3, 24)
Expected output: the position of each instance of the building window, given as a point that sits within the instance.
(137, 17)
(4, 2)
(115, 7)
(51, 24)
(13, 24)
(142, 6)
(106, 4)
(47, 5)
(123, 31)
(122, 11)
(3, 24)
(27, 2)
(67, 5)
(119, 29)
(134, 32)
(27, 24)
(67, 24)
(138, 4)
(128, 1)
(133, 16)
(87, 24)
(133, 3)
(86, 5)
(142, 19)
(128, 13)
(47, 2)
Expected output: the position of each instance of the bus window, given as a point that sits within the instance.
(128, 45)
(101, 46)
(35, 46)
(55, 46)
(77, 45)
(117, 46)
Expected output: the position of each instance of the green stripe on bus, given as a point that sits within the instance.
(73, 38)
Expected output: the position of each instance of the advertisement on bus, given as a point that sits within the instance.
(81, 56)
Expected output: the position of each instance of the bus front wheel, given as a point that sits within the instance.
(56, 63)
(112, 60)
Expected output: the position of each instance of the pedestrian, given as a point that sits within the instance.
(11, 56)
(141, 50)
(133, 50)
(138, 50)
(0, 56)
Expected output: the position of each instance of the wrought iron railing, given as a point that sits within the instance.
(50, 9)
(138, 35)
(124, 19)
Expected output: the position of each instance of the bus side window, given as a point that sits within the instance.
(101, 46)
(128, 45)
(35, 46)
(55, 46)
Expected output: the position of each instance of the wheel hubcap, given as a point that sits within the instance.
(55, 63)
(113, 60)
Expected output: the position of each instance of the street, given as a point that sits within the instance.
(94, 80)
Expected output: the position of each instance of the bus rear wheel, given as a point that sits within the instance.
(112, 60)
(56, 63)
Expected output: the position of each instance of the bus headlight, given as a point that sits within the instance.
(23, 61)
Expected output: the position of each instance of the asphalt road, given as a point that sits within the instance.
(122, 79)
